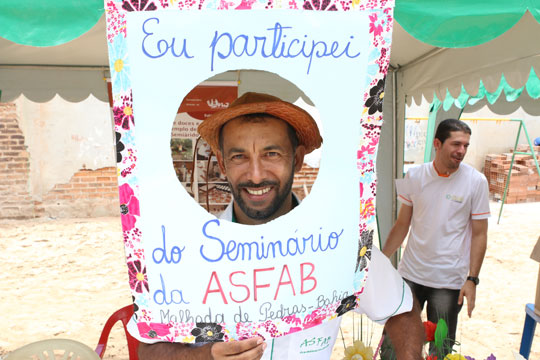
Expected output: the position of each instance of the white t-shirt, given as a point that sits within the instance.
(385, 295)
(439, 244)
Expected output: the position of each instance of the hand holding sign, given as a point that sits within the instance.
(245, 349)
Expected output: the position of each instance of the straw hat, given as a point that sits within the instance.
(254, 103)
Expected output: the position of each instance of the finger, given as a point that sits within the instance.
(470, 305)
(460, 298)
(235, 347)
(253, 354)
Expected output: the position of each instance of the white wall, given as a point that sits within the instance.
(488, 136)
(63, 137)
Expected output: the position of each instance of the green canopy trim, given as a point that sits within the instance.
(47, 23)
(461, 23)
(532, 86)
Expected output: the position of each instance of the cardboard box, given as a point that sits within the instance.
(535, 255)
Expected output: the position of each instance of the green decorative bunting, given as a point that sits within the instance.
(532, 87)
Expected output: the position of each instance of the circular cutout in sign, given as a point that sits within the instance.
(196, 165)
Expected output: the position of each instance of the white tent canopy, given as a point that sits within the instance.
(425, 70)
(73, 70)
(77, 68)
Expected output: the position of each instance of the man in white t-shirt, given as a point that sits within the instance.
(445, 205)
(260, 142)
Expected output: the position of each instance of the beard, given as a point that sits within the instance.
(273, 207)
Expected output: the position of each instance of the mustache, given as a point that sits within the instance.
(262, 184)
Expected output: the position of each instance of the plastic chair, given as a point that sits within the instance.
(54, 349)
(531, 318)
(124, 314)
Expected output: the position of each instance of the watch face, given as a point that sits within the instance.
(475, 280)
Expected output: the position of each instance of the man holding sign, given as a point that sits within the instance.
(260, 142)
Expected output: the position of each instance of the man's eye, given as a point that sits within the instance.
(272, 154)
(237, 157)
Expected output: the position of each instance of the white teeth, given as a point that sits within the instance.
(258, 192)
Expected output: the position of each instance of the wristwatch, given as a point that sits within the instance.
(474, 279)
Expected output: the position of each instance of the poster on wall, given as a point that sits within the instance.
(193, 162)
(186, 266)
(201, 102)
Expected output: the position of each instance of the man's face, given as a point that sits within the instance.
(453, 150)
(259, 161)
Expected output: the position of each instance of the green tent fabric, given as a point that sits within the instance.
(532, 87)
(457, 23)
(461, 23)
(47, 23)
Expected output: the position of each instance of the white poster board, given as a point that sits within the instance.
(189, 269)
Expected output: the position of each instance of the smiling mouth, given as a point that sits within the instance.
(258, 191)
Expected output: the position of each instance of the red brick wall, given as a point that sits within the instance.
(15, 200)
(307, 176)
(88, 193)
(524, 183)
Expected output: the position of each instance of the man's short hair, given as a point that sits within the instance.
(258, 118)
(449, 125)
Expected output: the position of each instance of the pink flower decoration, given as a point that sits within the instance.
(123, 114)
(293, 330)
(129, 207)
(312, 321)
(292, 319)
(365, 149)
(153, 330)
(367, 208)
(138, 5)
(137, 276)
(319, 5)
(375, 28)
(374, 141)
(245, 5)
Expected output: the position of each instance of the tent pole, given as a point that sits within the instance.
(394, 142)
(435, 106)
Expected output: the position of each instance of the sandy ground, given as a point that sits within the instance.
(63, 278)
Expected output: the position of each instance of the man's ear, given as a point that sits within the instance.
(299, 157)
(437, 144)
(221, 163)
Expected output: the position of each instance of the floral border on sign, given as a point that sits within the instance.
(380, 29)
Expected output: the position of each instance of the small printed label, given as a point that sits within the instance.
(454, 198)
(314, 344)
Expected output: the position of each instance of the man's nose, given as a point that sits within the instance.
(256, 170)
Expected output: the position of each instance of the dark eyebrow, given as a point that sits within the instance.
(273, 147)
(235, 150)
